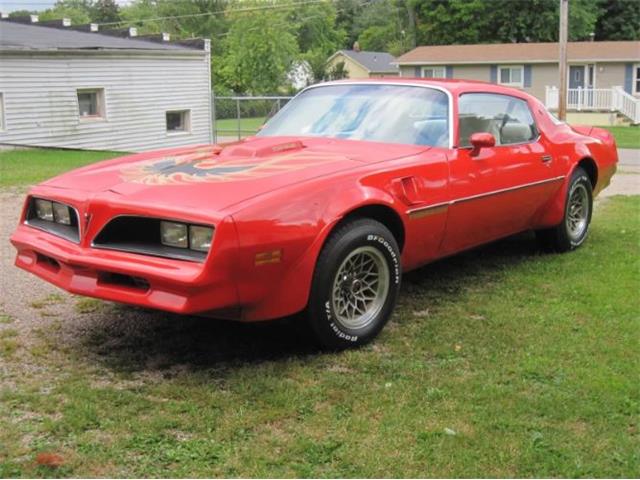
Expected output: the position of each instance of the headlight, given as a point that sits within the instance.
(44, 209)
(174, 234)
(200, 238)
(61, 213)
(182, 235)
(53, 211)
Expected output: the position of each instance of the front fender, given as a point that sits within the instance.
(281, 238)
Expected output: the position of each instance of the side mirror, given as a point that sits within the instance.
(481, 140)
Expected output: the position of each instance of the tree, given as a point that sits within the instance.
(446, 22)
(21, 13)
(105, 11)
(618, 20)
(260, 51)
(77, 15)
(316, 28)
(385, 26)
(347, 13)
(317, 61)
(318, 36)
(338, 72)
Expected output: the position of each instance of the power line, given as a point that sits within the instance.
(303, 19)
(217, 12)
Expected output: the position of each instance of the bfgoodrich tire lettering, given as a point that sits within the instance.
(574, 229)
(355, 284)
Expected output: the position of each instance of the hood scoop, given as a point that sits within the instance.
(263, 151)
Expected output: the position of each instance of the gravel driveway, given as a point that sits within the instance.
(22, 294)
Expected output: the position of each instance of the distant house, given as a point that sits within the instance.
(61, 86)
(361, 64)
(608, 71)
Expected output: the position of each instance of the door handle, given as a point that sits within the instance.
(546, 158)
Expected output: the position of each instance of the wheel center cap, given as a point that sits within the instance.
(356, 286)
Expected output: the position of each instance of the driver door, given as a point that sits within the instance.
(496, 191)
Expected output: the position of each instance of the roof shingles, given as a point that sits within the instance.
(375, 62)
(521, 52)
(18, 36)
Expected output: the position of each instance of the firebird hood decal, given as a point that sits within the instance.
(201, 166)
(214, 177)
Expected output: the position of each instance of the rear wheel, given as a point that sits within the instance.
(355, 284)
(574, 228)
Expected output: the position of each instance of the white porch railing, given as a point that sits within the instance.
(613, 99)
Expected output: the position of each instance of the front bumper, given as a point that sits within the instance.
(160, 283)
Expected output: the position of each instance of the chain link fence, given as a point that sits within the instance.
(238, 117)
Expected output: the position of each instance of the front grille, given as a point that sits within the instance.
(141, 235)
(69, 232)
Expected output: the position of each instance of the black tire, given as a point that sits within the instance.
(360, 241)
(569, 235)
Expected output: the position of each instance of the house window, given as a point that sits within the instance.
(178, 121)
(1, 111)
(636, 79)
(512, 76)
(91, 103)
(434, 72)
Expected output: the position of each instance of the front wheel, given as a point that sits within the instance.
(355, 284)
(573, 230)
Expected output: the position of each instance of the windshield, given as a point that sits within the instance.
(376, 112)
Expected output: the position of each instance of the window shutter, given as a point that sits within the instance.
(494, 73)
(417, 72)
(527, 76)
(449, 71)
(628, 78)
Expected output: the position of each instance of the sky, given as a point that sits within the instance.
(8, 6)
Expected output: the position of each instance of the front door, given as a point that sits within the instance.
(498, 191)
(576, 76)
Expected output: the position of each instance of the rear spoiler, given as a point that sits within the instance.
(605, 136)
(582, 129)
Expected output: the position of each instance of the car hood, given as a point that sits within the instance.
(219, 176)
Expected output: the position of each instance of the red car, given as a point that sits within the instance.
(348, 186)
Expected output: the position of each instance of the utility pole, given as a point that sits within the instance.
(562, 41)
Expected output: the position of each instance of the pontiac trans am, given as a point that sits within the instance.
(349, 185)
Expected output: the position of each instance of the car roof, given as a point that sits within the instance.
(453, 85)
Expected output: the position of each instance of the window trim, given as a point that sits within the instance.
(585, 75)
(101, 104)
(509, 145)
(434, 68)
(450, 115)
(3, 118)
(519, 84)
(187, 130)
(636, 78)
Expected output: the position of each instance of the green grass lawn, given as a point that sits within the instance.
(26, 167)
(626, 137)
(228, 127)
(501, 362)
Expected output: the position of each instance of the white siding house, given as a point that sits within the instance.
(61, 87)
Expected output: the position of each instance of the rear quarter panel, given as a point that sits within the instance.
(569, 146)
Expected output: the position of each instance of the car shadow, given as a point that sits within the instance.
(132, 339)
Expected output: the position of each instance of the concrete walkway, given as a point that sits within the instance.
(626, 181)
(628, 157)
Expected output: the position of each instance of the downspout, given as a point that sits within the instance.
(207, 49)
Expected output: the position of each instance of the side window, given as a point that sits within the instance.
(507, 118)
(91, 103)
